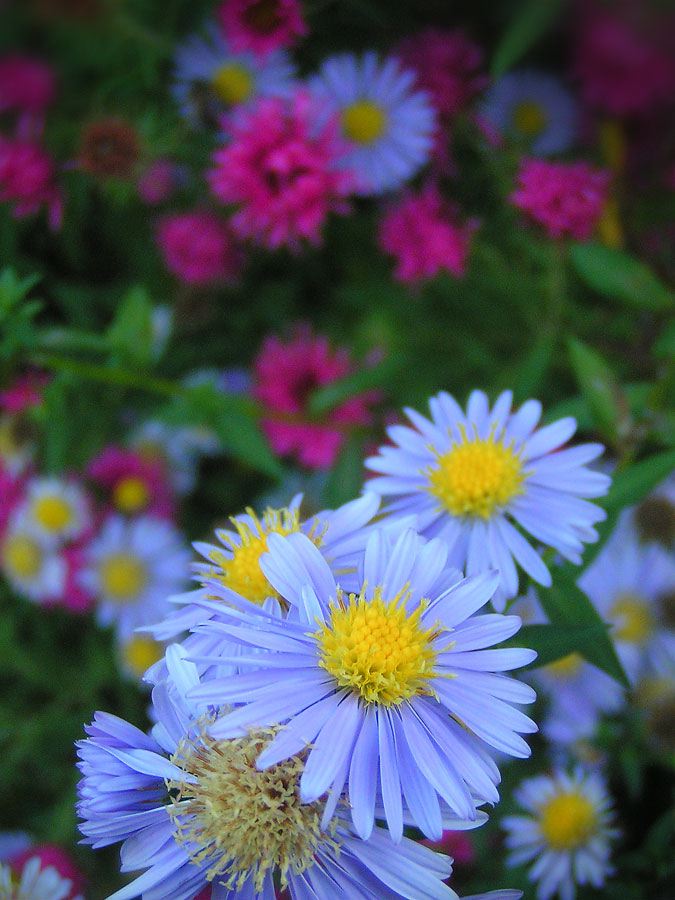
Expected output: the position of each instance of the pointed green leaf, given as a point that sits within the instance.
(326, 398)
(619, 276)
(131, 334)
(532, 20)
(601, 390)
(554, 642)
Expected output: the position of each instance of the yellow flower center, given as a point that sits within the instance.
(564, 668)
(364, 121)
(140, 653)
(123, 577)
(241, 572)
(567, 821)
(22, 556)
(377, 648)
(634, 622)
(52, 513)
(529, 118)
(130, 495)
(233, 84)
(242, 823)
(476, 477)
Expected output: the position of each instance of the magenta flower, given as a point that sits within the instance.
(157, 182)
(11, 491)
(23, 393)
(282, 170)
(135, 484)
(423, 234)
(260, 26)
(198, 248)
(285, 374)
(566, 199)
(27, 176)
(27, 88)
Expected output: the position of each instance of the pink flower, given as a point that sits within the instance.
(282, 169)
(197, 247)
(11, 495)
(27, 87)
(422, 233)
(57, 858)
(621, 72)
(285, 375)
(567, 199)
(136, 484)
(75, 598)
(157, 182)
(27, 180)
(24, 393)
(447, 64)
(456, 844)
(261, 26)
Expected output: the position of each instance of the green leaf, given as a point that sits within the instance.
(631, 485)
(601, 390)
(346, 476)
(554, 642)
(131, 334)
(57, 424)
(534, 367)
(532, 20)
(619, 276)
(324, 399)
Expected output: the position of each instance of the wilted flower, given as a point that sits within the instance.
(110, 148)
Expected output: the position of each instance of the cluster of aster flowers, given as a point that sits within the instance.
(342, 686)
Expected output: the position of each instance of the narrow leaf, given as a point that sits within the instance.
(601, 390)
(619, 276)
(532, 20)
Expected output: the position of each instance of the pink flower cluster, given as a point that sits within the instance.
(422, 233)
(260, 26)
(198, 248)
(24, 393)
(281, 169)
(566, 199)
(285, 375)
(27, 88)
(27, 180)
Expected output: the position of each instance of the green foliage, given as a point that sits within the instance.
(619, 276)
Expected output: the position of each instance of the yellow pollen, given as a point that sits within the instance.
(123, 577)
(22, 556)
(567, 821)
(633, 618)
(140, 653)
(476, 477)
(529, 118)
(52, 513)
(377, 648)
(130, 495)
(239, 822)
(564, 668)
(364, 121)
(233, 84)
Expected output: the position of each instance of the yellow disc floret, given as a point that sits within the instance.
(530, 118)
(140, 653)
(364, 121)
(233, 84)
(567, 821)
(633, 617)
(22, 556)
(476, 476)
(123, 577)
(130, 495)
(377, 648)
(52, 513)
(566, 667)
(241, 823)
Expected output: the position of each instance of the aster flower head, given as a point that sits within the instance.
(131, 568)
(198, 247)
(35, 882)
(283, 171)
(284, 375)
(425, 236)
(566, 199)
(33, 568)
(533, 108)
(28, 180)
(110, 148)
(135, 484)
(212, 80)
(390, 689)
(261, 26)
(565, 832)
(469, 475)
(56, 510)
(388, 126)
(201, 814)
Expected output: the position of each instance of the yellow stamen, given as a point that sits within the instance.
(632, 615)
(233, 84)
(564, 668)
(22, 556)
(130, 495)
(530, 118)
(140, 653)
(52, 513)
(123, 577)
(364, 121)
(567, 821)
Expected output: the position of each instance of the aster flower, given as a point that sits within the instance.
(284, 376)
(135, 483)
(198, 247)
(57, 510)
(131, 568)
(387, 124)
(632, 585)
(533, 108)
(34, 883)
(468, 475)
(424, 235)
(212, 80)
(261, 25)
(391, 688)
(200, 814)
(282, 169)
(35, 570)
(27, 180)
(566, 199)
(566, 832)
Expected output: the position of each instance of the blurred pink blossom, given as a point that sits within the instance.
(136, 483)
(27, 88)
(198, 248)
(260, 26)
(56, 857)
(24, 392)
(27, 180)
(158, 181)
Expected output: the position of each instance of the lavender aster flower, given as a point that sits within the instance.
(392, 688)
(468, 476)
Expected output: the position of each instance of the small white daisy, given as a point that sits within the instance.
(211, 80)
(56, 509)
(34, 883)
(566, 832)
(468, 476)
(33, 568)
(387, 125)
(131, 568)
